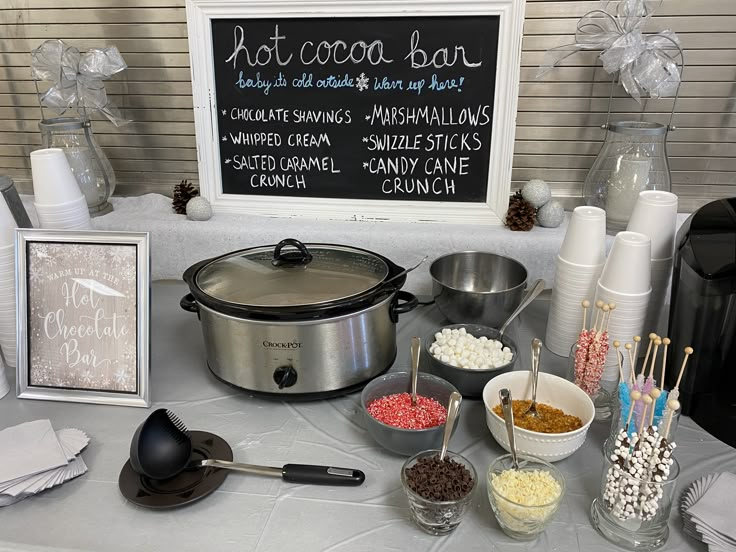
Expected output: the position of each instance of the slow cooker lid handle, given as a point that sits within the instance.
(300, 257)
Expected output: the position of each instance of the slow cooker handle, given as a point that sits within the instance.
(189, 303)
(409, 304)
(293, 258)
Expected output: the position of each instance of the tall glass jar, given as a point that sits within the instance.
(88, 162)
(633, 158)
(619, 418)
(605, 398)
(642, 528)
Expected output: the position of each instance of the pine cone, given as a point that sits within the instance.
(183, 192)
(520, 215)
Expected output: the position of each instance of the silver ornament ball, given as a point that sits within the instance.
(198, 208)
(551, 214)
(536, 192)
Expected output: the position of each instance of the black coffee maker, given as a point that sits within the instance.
(703, 315)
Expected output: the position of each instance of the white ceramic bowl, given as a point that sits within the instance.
(552, 390)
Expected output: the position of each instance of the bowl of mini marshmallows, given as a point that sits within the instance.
(468, 356)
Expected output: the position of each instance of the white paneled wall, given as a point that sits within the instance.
(559, 117)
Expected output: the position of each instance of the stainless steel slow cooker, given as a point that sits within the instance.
(298, 320)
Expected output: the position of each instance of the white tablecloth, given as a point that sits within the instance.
(256, 513)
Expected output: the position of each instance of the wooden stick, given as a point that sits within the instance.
(585, 304)
(635, 396)
(598, 304)
(612, 307)
(628, 347)
(652, 337)
(672, 406)
(657, 343)
(606, 309)
(616, 345)
(637, 340)
(666, 342)
(688, 352)
(643, 414)
(655, 394)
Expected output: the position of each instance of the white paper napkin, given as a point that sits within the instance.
(71, 442)
(712, 514)
(29, 449)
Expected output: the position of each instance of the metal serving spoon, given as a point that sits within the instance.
(536, 352)
(453, 408)
(161, 448)
(416, 346)
(508, 416)
(535, 290)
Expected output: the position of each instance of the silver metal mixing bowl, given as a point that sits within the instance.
(476, 287)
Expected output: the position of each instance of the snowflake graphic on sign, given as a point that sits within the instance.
(361, 83)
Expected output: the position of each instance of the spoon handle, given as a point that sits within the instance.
(535, 290)
(536, 353)
(296, 473)
(508, 416)
(416, 344)
(452, 410)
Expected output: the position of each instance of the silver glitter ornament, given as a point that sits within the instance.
(551, 214)
(536, 192)
(198, 208)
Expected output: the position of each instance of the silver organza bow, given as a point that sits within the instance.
(76, 78)
(645, 65)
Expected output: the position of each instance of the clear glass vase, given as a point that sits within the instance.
(641, 528)
(88, 162)
(633, 159)
(605, 398)
(618, 419)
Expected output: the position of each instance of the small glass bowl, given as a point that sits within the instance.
(438, 517)
(518, 520)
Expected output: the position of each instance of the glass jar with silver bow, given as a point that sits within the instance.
(75, 88)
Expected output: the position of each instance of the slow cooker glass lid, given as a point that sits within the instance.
(250, 278)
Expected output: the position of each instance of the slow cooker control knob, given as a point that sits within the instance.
(285, 376)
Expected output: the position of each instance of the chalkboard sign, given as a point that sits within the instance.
(381, 112)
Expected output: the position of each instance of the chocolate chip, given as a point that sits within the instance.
(437, 480)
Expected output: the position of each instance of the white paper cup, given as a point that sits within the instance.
(628, 267)
(655, 215)
(53, 181)
(72, 205)
(578, 267)
(47, 212)
(77, 218)
(76, 224)
(662, 269)
(661, 277)
(585, 240)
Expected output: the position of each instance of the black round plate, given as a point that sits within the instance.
(189, 486)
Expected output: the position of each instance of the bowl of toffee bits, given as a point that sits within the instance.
(439, 491)
(566, 412)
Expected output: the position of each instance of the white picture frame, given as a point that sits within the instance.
(83, 324)
(491, 211)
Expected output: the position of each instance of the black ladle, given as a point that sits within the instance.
(161, 446)
(160, 443)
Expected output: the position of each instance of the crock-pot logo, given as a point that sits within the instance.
(282, 344)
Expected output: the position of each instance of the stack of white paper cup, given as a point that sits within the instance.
(58, 199)
(655, 215)
(578, 266)
(625, 281)
(7, 292)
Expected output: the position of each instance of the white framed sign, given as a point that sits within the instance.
(83, 316)
(356, 110)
